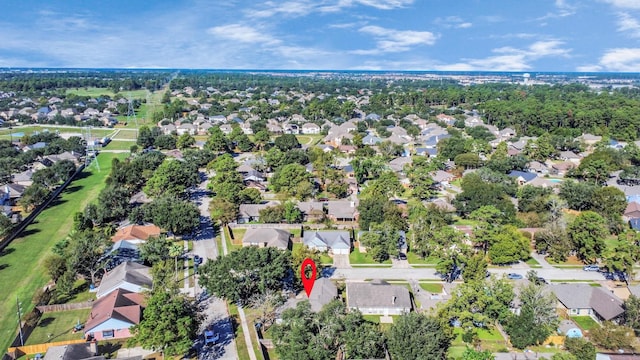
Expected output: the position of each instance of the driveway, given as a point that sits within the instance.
(341, 261)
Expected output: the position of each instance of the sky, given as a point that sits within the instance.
(446, 35)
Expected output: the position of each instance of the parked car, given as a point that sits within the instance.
(591, 268)
(210, 337)
(540, 280)
(197, 260)
(514, 276)
(402, 256)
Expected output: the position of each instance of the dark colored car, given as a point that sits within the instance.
(402, 256)
(197, 260)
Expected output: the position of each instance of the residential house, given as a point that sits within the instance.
(378, 298)
(336, 242)
(323, 292)
(632, 211)
(129, 276)
(522, 177)
(112, 315)
(560, 169)
(267, 237)
(11, 193)
(291, 129)
(398, 164)
(129, 237)
(570, 156)
(226, 129)
(447, 119)
(311, 210)
(168, 129)
(586, 300)
(186, 128)
(310, 129)
(342, 210)
(82, 351)
(537, 167)
(442, 178)
(371, 140)
(23, 178)
(506, 133)
(251, 212)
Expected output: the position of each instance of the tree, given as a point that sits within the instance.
(632, 313)
(291, 213)
(217, 141)
(246, 272)
(298, 255)
(578, 195)
(172, 214)
(293, 180)
(168, 324)
(581, 348)
(610, 203)
(5, 225)
(429, 338)
(175, 250)
(508, 245)
(223, 211)
(261, 138)
(172, 177)
(56, 266)
(165, 142)
(145, 137)
(33, 196)
(475, 268)
(537, 319)
(612, 336)
(114, 204)
(286, 142)
(155, 249)
(471, 354)
(185, 141)
(85, 253)
(587, 233)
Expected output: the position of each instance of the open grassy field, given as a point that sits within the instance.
(18, 132)
(58, 326)
(95, 92)
(21, 263)
(119, 145)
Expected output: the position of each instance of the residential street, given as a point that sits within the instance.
(214, 310)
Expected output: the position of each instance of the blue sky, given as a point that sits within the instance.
(500, 35)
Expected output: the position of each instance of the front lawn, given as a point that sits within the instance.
(585, 322)
(414, 259)
(358, 258)
(21, 263)
(324, 257)
(434, 288)
(58, 326)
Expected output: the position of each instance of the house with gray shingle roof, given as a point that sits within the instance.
(251, 212)
(338, 242)
(378, 298)
(129, 276)
(267, 237)
(586, 300)
(324, 291)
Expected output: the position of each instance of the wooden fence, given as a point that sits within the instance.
(16, 352)
(65, 307)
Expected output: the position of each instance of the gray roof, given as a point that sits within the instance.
(71, 352)
(341, 209)
(635, 290)
(310, 206)
(322, 293)
(330, 239)
(127, 272)
(270, 237)
(377, 293)
(253, 210)
(584, 296)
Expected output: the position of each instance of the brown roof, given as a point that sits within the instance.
(120, 304)
(632, 209)
(136, 232)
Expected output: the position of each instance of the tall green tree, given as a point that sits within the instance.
(587, 233)
(429, 339)
(169, 323)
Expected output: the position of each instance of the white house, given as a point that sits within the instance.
(129, 276)
(338, 242)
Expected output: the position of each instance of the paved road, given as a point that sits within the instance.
(430, 273)
(213, 309)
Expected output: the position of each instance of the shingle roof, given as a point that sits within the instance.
(121, 304)
(584, 296)
(277, 238)
(377, 294)
(322, 293)
(527, 176)
(330, 239)
(341, 209)
(136, 232)
(127, 272)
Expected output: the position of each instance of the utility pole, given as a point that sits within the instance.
(19, 320)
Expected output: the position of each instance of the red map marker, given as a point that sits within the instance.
(308, 282)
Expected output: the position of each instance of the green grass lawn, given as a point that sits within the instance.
(585, 322)
(59, 325)
(6, 133)
(435, 288)
(417, 260)
(21, 268)
(119, 145)
(95, 92)
(358, 258)
(241, 345)
(125, 134)
(489, 340)
(238, 235)
(533, 263)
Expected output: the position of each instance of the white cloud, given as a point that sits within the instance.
(286, 9)
(620, 59)
(562, 9)
(243, 34)
(627, 4)
(628, 24)
(511, 59)
(453, 22)
(390, 40)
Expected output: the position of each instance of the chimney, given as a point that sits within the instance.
(393, 300)
(93, 347)
(352, 204)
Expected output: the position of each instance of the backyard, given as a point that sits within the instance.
(21, 263)
(58, 326)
